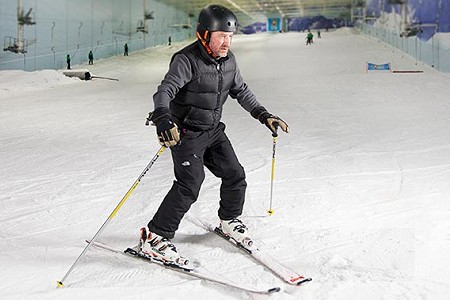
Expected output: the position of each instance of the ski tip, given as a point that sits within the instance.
(270, 212)
(59, 284)
(274, 290)
(303, 281)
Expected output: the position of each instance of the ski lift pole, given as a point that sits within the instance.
(114, 212)
(95, 49)
(274, 137)
(75, 52)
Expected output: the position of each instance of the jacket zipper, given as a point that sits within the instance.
(219, 93)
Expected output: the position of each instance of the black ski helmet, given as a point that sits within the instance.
(215, 18)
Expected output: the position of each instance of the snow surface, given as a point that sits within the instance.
(361, 191)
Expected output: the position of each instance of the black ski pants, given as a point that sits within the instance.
(195, 151)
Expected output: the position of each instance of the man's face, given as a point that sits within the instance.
(220, 42)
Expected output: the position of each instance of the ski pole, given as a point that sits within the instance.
(114, 212)
(274, 136)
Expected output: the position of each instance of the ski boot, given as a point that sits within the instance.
(235, 230)
(161, 249)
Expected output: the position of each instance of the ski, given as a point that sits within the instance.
(286, 274)
(133, 253)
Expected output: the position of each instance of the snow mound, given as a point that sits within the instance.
(13, 82)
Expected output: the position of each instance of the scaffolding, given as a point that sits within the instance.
(19, 44)
(15, 45)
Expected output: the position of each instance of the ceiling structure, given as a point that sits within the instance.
(250, 11)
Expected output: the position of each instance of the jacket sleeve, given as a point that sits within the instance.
(178, 75)
(245, 97)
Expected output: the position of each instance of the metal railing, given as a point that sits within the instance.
(430, 52)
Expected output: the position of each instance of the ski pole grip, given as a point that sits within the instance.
(275, 124)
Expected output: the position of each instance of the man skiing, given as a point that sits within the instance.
(188, 107)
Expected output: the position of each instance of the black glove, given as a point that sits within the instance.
(166, 129)
(272, 122)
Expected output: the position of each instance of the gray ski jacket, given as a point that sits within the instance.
(196, 87)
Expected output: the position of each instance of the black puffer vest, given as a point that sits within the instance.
(198, 105)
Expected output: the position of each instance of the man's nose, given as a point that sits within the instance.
(227, 41)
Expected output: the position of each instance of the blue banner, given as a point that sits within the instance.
(373, 67)
(273, 24)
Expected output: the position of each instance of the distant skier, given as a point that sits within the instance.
(125, 48)
(309, 38)
(170, 40)
(68, 61)
(91, 58)
(318, 34)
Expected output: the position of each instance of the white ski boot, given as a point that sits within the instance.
(160, 248)
(237, 231)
